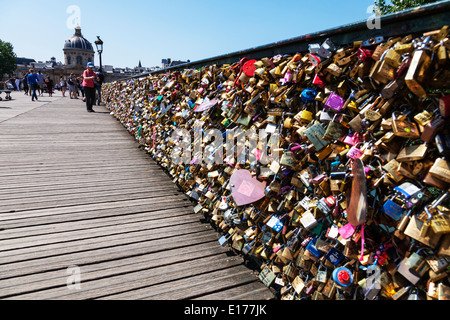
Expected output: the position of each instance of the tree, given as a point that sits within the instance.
(399, 5)
(7, 59)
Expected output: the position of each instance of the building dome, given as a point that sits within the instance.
(78, 42)
(77, 50)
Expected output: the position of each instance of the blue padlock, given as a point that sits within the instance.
(393, 210)
(334, 256)
(406, 190)
(308, 95)
(335, 165)
(311, 247)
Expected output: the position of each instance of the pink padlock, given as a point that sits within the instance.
(287, 77)
(350, 140)
(354, 153)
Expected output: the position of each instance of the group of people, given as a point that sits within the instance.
(89, 83)
(43, 82)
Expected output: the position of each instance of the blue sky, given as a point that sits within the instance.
(153, 30)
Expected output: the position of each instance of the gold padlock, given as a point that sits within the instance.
(440, 224)
(393, 58)
(441, 170)
(419, 64)
(404, 128)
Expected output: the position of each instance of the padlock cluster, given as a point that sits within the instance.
(356, 206)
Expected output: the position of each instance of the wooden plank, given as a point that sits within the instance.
(42, 281)
(66, 187)
(18, 206)
(33, 241)
(89, 207)
(74, 180)
(188, 288)
(183, 214)
(73, 183)
(107, 241)
(153, 190)
(250, 291)
(78, 174)
(137, 279)
(104, 254)
(29, 194)
(46, 220)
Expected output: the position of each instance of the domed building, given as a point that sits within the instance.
(77, 50)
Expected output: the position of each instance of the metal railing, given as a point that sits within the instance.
(411, 21)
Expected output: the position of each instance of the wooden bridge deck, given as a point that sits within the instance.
(77, 194)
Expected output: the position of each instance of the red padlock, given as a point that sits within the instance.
(444, 106)
(315, 60)
(249, 68)
(344, 277)
(318, 81)
(330, 201)
(364, 54)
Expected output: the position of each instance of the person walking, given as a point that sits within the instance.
(18, 84)
(63, 85)
(41, 83)
(33, 82)
(98, 86)
(72, 89)
(79, 82)
(12, 84)
(49, 83)
(89, 77)
(25, 84)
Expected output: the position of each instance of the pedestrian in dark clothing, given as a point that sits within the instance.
(25, 84)
(98, 86)
(13, 84)
(71, 82)
(49, 83)
(79, 81)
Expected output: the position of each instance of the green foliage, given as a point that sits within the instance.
(7, 59)
(392, 6)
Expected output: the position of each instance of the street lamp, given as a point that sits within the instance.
(99, 45)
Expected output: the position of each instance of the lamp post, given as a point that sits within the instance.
(99, 45)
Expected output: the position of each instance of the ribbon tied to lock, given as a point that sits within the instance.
(357, 202)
